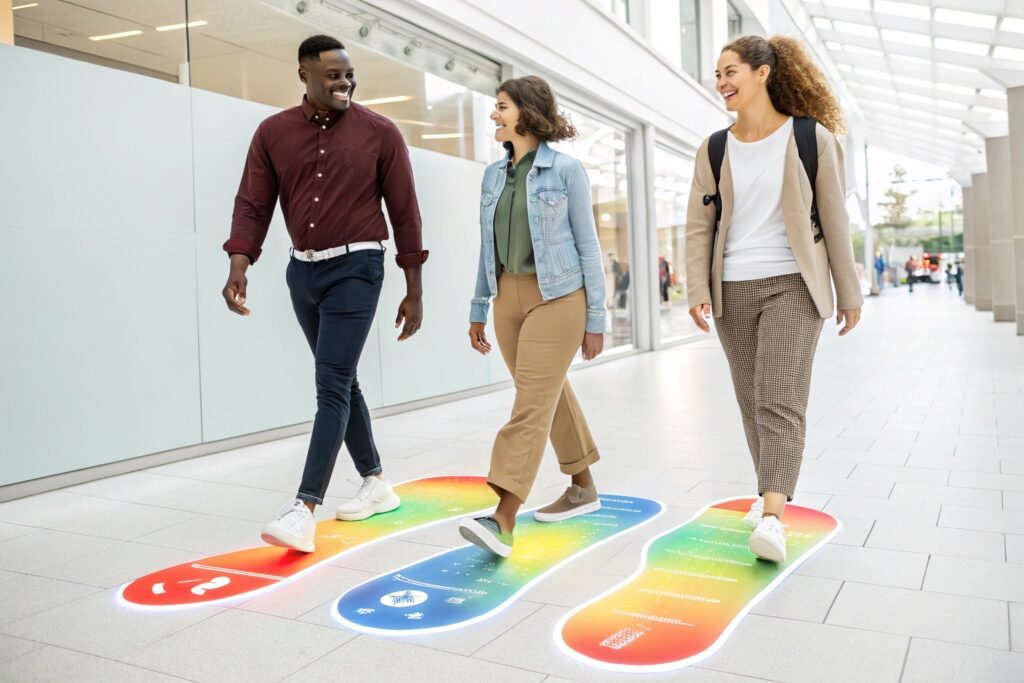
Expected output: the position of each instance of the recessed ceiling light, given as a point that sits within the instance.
(912, 60)
(112, 36)
(857, 49)
(851, 4)
(956, 67)
(906, 37)
(385, 100)
(976, 19)
(1012, 24)
(856, 29)
(990, 110)
(966, 46)
(872, 73)
(988, 92)
(959, 89)
(902, 9)
(946, 104)
(833, 45)
(176, 27)
(1011, 53)
(823, 23)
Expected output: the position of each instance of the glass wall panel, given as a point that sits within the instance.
(438, 93)
(619, 8)
(602, 151)
(673, 173)
(735, 22)
(675, 32)
(141, 37)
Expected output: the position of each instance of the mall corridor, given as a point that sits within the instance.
(916, 444)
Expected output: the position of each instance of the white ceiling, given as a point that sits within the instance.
(930, 76)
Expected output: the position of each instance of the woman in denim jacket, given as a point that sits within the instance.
(540, 259)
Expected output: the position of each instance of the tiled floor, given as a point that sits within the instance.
(916, 443)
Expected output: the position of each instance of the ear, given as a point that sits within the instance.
(302, 74)
(763, 72)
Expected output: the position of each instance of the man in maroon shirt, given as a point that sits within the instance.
(330, 162)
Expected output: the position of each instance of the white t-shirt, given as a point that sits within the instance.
(756, 245)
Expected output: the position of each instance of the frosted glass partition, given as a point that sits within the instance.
(116, 341)
(99, 351)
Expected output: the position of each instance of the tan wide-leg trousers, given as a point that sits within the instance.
(538, 340)
(769, 330)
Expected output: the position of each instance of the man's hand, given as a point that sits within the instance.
(478, 338)
(701, 313)
(234, 290)
(593, 345)
(411, 311)
(851, 316)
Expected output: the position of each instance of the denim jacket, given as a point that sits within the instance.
(562, 229)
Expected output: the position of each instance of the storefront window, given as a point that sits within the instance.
(146, 38)
(619, 8)
(735, 22)
(675, 32)
(438, 93)
(602, 151)
(672, 175)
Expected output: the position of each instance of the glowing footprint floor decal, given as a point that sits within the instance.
(245, 572)
(694, 585)
(466, 585)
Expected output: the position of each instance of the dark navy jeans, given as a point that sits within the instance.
(335, 301)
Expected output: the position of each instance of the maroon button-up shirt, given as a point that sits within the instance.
(330, 173)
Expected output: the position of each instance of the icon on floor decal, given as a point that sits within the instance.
(242, 573)
(466, 585)
(693, 586)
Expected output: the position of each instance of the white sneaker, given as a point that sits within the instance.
(295, 528)
(753, 518)
(769, 540)
(373, 497)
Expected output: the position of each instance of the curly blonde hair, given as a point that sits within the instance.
(796, 86)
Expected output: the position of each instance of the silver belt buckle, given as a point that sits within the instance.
(309, 254)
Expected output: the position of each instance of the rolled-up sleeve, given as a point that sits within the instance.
(254, 203)
(398, 189)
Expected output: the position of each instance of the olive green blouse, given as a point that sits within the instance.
(512, 242)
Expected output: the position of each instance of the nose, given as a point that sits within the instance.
(494, 116)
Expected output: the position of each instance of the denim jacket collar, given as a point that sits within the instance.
(544, 158)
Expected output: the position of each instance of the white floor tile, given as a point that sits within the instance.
(929, 661)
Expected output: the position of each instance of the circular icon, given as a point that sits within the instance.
(403, 599)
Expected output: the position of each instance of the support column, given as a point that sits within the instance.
(968, 265)
(1015, 107)
(982, 265)
(1000, 212)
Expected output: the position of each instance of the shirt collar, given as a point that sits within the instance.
(313, 116)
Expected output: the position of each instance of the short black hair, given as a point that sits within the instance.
(312, 47)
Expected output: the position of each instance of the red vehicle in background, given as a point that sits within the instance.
(929, 268)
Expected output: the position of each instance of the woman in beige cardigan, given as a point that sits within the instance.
(765, 269)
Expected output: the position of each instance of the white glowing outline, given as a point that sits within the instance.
(501, 607)
(258, 591)
(711, 649)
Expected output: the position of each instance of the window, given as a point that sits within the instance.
(675, 32)
(619, 8)
(602, 151)
(438, 93)
(672, 176)
(735, 22)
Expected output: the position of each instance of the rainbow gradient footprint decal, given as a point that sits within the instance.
(244, 572)
(466, 585)
(695, 584)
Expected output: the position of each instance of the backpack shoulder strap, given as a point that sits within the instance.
(716, 155)
(807, 146)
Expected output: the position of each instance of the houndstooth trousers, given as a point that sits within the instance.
(769, 330)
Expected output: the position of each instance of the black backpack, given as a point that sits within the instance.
(806, 145)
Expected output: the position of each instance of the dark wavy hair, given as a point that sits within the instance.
(538, 110)
(312, 47)
(796, 86)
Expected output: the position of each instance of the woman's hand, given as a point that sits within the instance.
(851, 316)
(701, 313)
(477, 338)
(593, 345)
